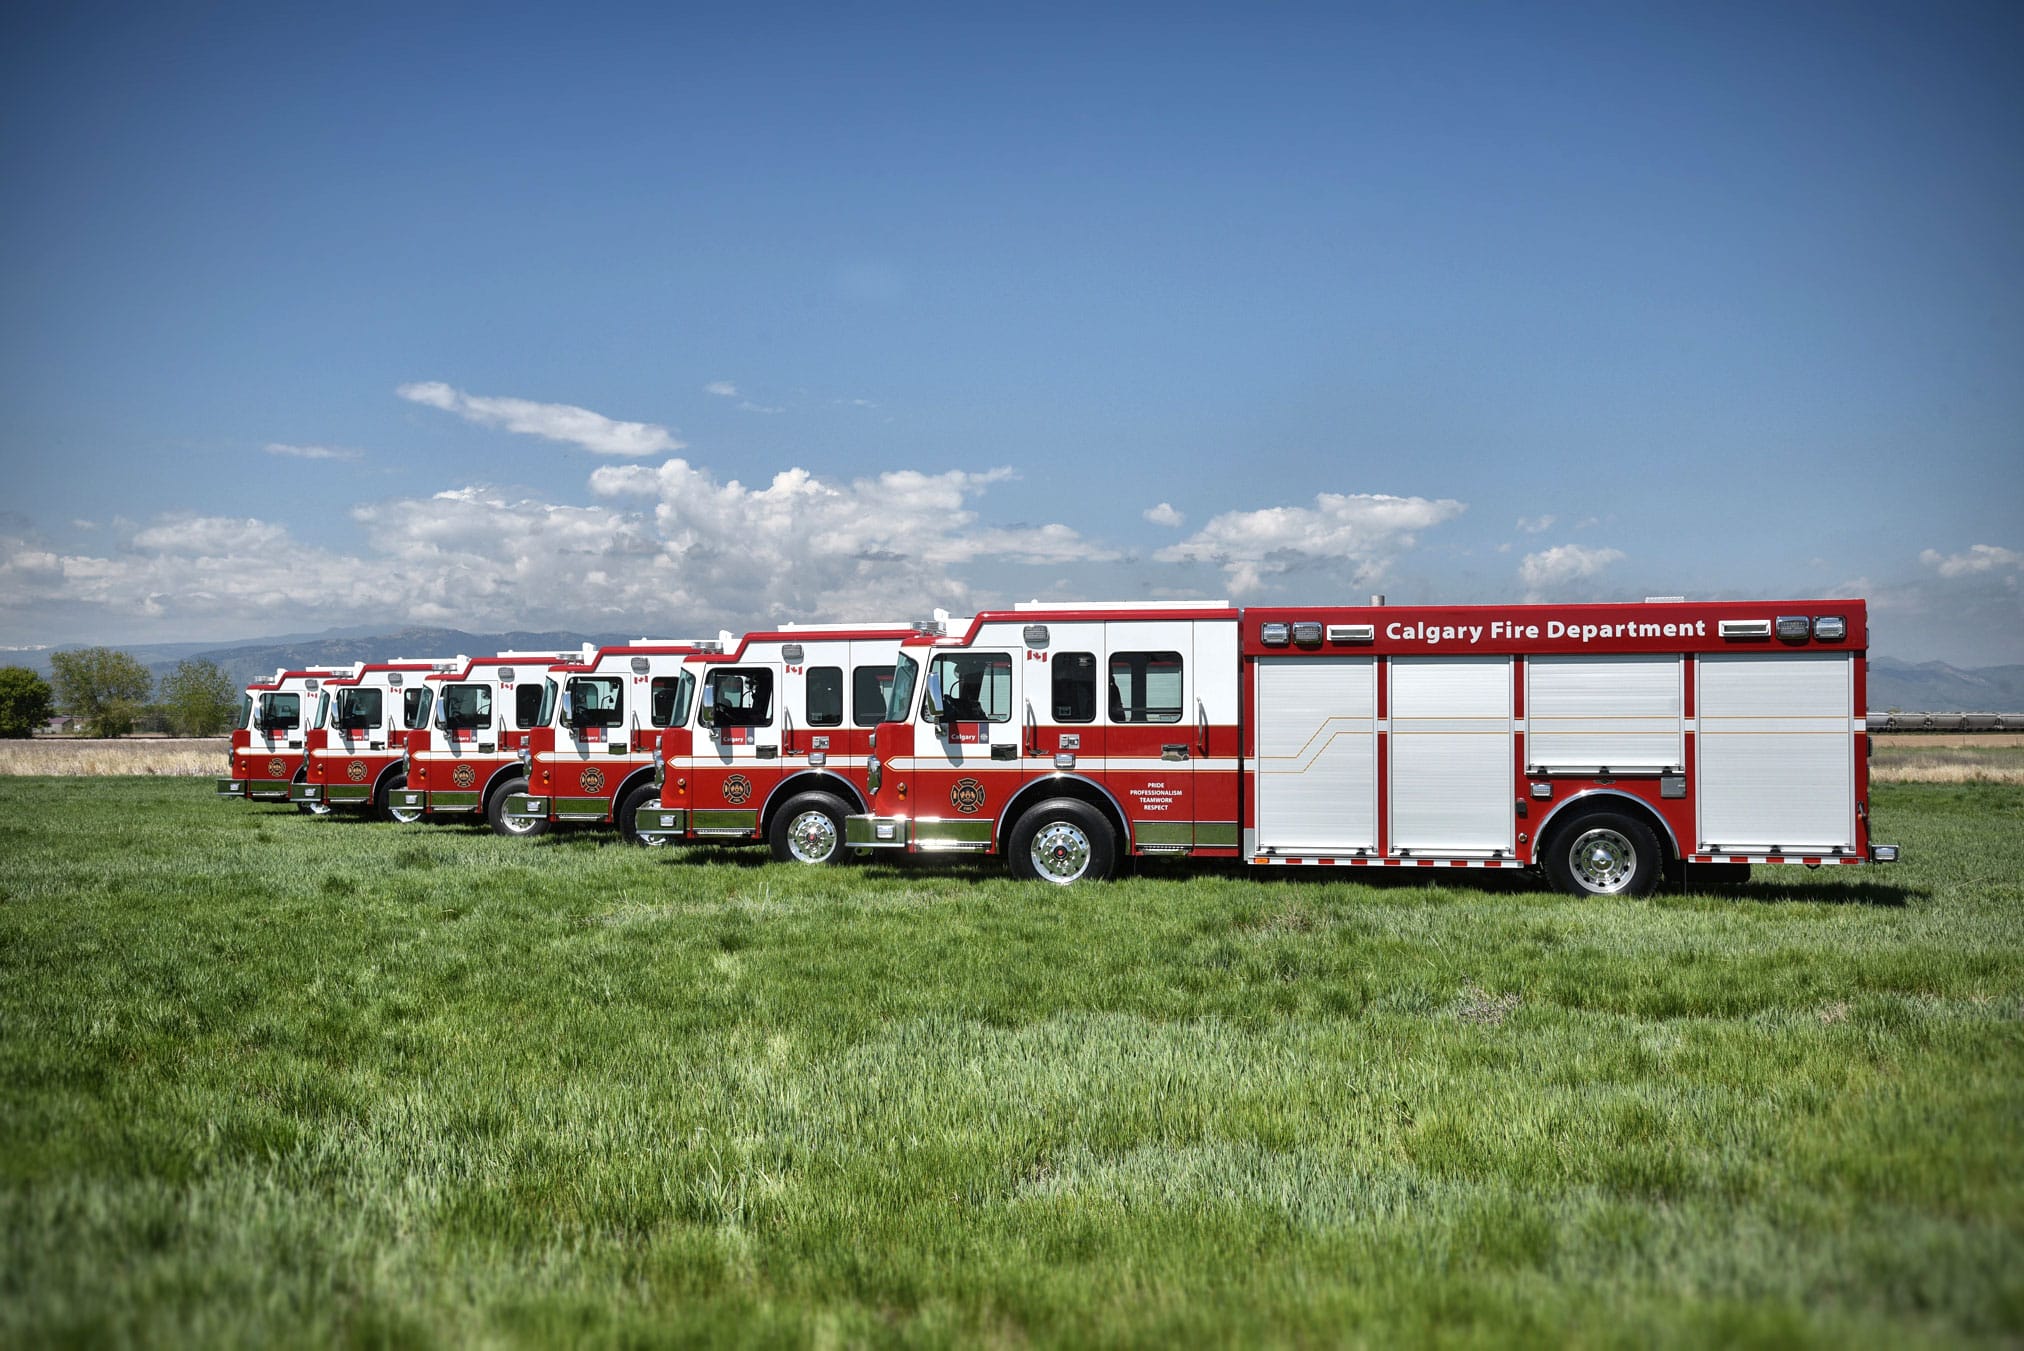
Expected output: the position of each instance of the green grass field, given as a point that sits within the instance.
(265, 1078)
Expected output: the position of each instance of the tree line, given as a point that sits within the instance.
(112, 694)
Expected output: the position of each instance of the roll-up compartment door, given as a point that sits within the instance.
(1599, 713)
(1317, 754)
(1777, 752)
(1452, 775)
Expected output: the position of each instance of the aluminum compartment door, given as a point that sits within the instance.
(1452, 777)
(1317, 754)
(1596, 712)
(1777, 752)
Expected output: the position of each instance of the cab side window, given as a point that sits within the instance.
(1074, 675)
(825, 696)
(527, 705)
(870, 687)
(668, 699)
(976, 686)
(415, 707)
(742, 697)
(1145, 687)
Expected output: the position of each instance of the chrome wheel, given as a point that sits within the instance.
(812, 837)
(1060, 852)
(1602, 860)
(520, 825)
(316, 808)
(407, 816)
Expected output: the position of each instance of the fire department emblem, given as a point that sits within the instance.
(277, 768)
(355, 771)
(967, 796)
(592, 780)
(737, 788)
(463, 776)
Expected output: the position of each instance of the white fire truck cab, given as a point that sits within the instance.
(1606, 745)
(591, 761)
(266, 754)
(463, 757)
(769, 736)
(355, 742)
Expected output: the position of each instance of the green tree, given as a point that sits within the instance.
(198, 698)
(105, 687)
(25, 701)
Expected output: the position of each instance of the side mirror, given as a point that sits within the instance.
(568, 708)
(934, 705)
(259, 718)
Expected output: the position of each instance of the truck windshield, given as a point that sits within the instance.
(897, 704)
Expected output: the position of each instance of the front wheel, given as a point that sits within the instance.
(1604, 854)
(392, 811)
(1062, 841)
(523, 827)
(317, 808)
(809, 830)
(629, 807)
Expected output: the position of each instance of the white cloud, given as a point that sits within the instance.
(661, 546)
(311, 452)
(562, 422)
(1362, 531)
(1561, 565)
(1978, 558)
(1533, 525)
(723, 389)
(1164, 514)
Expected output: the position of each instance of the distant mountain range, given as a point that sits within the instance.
(1935, 687)
(1925, 687)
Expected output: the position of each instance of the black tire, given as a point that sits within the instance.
(629, 806)
(383, 801)
(809, 831)
(311, 808)
(1604, 854)
(495, 813)
(1062, 841)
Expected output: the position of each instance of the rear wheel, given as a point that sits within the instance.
(628, 808)
(501, 823)
(1604, 854)
(383, 801)
(810, 830)
(1062, 841)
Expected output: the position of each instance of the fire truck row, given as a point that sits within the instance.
(1607, 746)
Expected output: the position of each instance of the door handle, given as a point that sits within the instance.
(1176, 752)
(1004, 752)
(766, 752)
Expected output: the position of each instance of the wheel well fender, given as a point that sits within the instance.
(644, 774)
(1589, 801)
(499, 778)
(810, 781)
(1040, 790)
(387, 772)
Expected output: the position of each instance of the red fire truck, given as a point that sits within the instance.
(466, 759)
(1606, 745)
(595, 751)
(774, 748)
(356, 740)
(266, 754)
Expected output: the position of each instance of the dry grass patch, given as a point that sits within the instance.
(195, 756)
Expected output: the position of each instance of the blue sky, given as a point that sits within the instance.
(334, 315)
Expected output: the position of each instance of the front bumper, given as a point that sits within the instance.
(525, 807)
(876, 832)
(660, 824)
(265, 790)
(305, 792)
